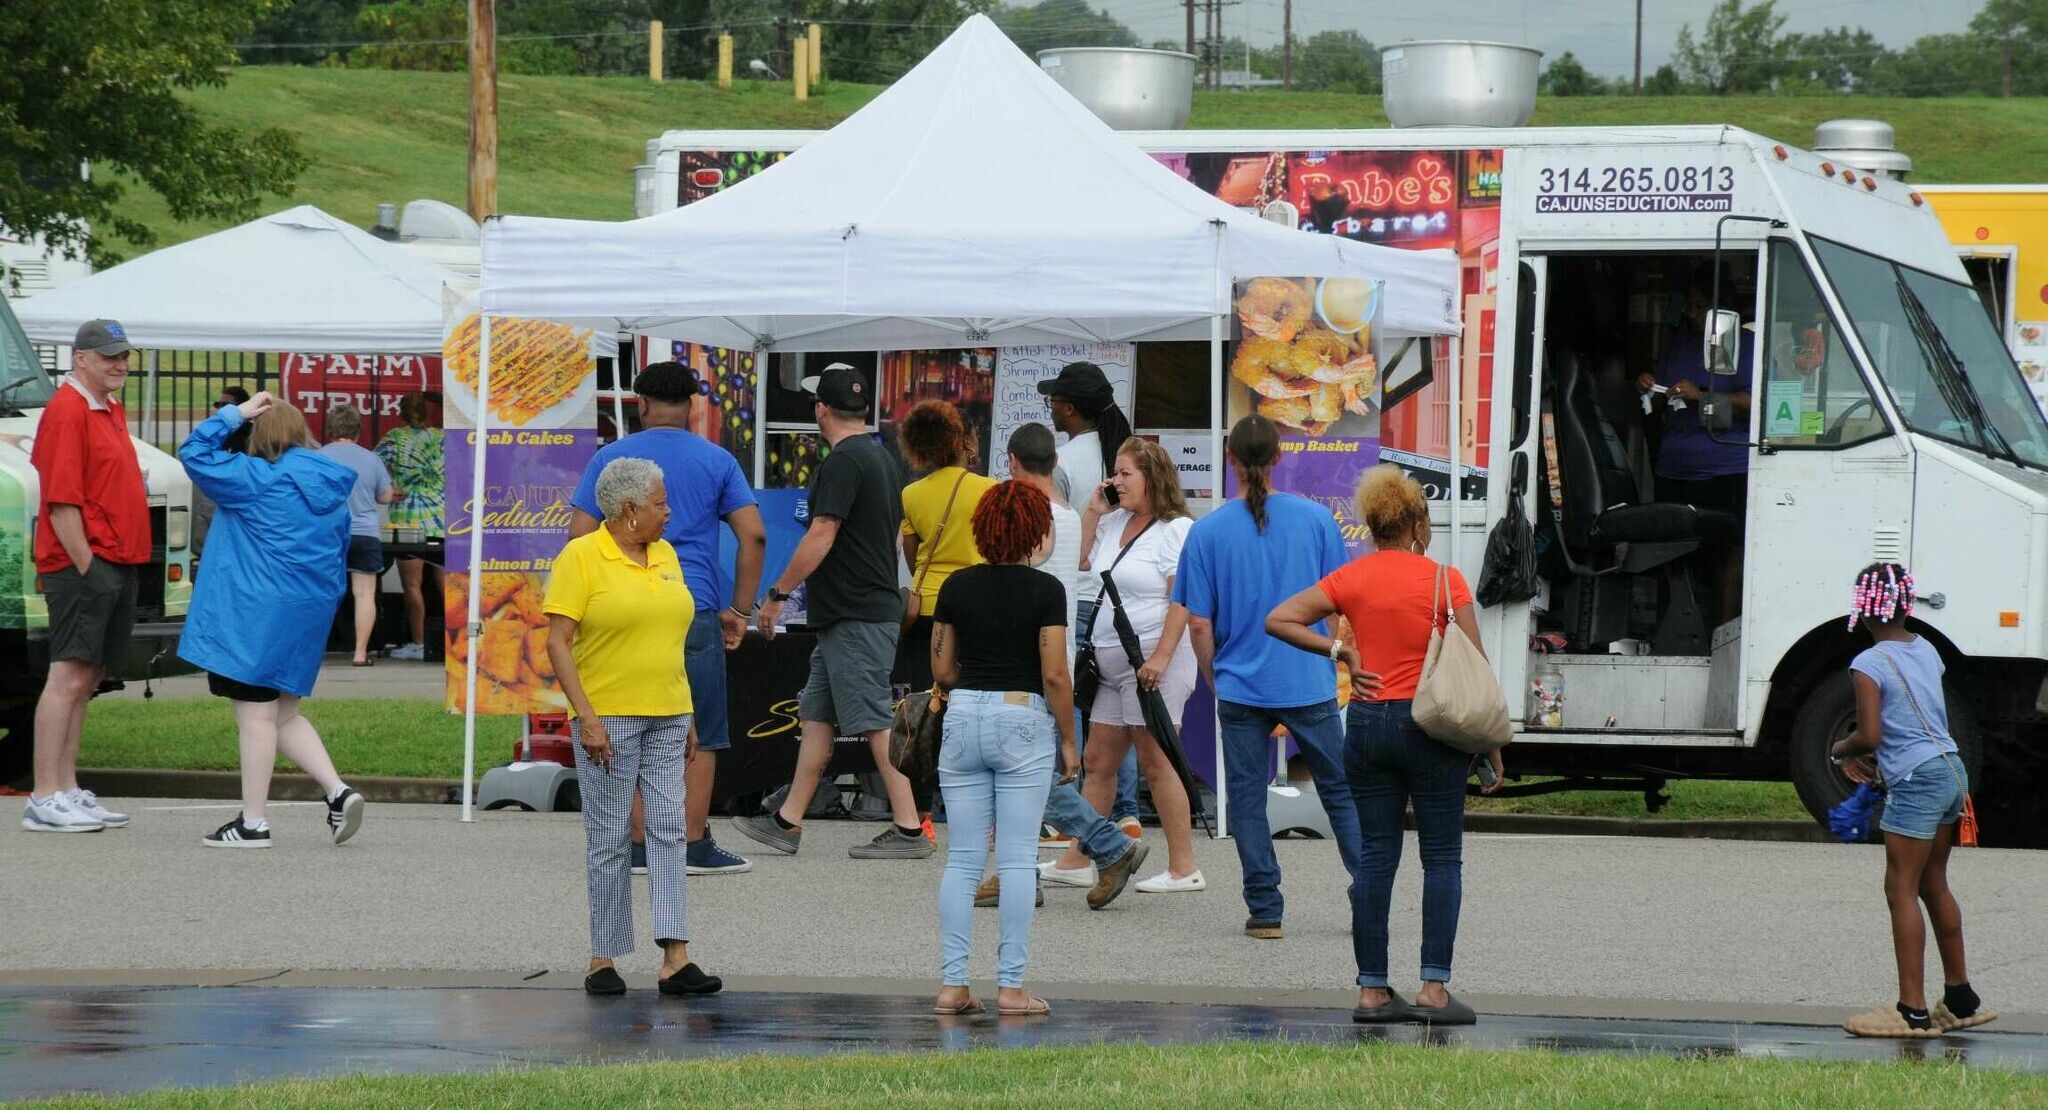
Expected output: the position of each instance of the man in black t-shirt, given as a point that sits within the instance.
(849, 558)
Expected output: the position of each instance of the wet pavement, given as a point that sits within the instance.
(122, 1041)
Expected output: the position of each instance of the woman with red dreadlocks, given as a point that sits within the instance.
(999, 643)
(1902, 717)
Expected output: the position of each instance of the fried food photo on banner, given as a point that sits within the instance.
(1306, 375)
(513, 674)
(535, 364)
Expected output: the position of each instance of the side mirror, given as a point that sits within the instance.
(1723, 333)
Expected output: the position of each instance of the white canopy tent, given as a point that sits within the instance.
(297, 280)
(974, 202)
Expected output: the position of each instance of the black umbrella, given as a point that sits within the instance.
(1158, 721)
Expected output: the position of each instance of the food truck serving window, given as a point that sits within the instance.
(1937, 353)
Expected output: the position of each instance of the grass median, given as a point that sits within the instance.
(1233, 1074)
(417, 739)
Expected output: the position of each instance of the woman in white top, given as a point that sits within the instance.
(1138, 541)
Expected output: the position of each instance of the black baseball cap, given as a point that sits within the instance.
(1079, 381)
(841, 388)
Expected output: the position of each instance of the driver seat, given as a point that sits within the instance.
(1606, 528)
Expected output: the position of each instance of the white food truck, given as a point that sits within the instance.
(1884, 420)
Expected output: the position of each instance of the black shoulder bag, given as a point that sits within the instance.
(1087, 673)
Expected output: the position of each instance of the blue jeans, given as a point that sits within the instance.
(995, 765)
(1247, 753)
(1391, 763)
(1126, 801)
(1066, 810)
(704, 663)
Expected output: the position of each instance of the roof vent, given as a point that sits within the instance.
(1866, 144)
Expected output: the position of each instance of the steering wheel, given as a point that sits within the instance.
(1835, 428)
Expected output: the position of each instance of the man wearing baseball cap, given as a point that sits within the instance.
(849, 558)
(706, 488)
(91, 542)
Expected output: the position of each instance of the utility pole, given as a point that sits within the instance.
(1639, 47)
(1191, 25)
(2005, 59)
(483, 109)
(1287, 43)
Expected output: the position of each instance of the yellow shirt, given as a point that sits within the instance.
(923, 501)
(631, 624)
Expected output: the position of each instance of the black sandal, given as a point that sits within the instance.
(691, 980)
(604, 980)
(1394, 1009)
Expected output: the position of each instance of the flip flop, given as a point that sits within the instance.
(1039, 1007)
(971, 1006)
(1947, 1021)
(1886, 1022)
(362, 662)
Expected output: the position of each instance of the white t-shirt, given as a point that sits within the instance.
(1078, 473)
(1064, 563)
(1140, 578)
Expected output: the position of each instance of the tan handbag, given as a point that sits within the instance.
(1458, 703)
(913, 604)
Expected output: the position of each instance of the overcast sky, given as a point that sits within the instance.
(1601, 33)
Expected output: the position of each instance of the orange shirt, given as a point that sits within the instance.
(1386, 595)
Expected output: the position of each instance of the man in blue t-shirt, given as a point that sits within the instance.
(705, 486)
(1238, 564)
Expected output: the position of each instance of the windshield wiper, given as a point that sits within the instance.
(1954, 382)
(17, 383)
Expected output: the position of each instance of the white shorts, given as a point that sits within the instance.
(1116, 700)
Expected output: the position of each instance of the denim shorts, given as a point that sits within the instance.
(1930, 796)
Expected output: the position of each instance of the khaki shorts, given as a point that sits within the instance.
(92, 616)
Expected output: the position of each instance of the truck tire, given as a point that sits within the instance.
(1829, 714)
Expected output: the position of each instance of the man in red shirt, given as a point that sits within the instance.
(91, 545)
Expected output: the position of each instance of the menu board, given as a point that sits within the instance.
(1018, 402)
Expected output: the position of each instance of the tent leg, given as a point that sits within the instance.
(473, 623)
(1457, 446)
(1216, 465)
(760, 421)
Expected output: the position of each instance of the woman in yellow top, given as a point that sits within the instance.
(618, 613)
(935, 440)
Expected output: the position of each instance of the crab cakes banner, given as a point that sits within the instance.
(542, 432)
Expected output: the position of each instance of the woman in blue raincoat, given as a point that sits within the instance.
(275, 572)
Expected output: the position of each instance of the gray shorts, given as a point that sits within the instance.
(849, 683)
(92, 616)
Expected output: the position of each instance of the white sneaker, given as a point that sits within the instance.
(88, 803)
(409, 653)
(1051, 872)
(55, 814)
(1165, 883)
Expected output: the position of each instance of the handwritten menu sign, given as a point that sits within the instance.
(1018, 402)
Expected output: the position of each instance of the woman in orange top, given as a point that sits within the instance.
(1390, 597)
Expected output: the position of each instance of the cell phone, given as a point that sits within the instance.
(1483, 767)
(1109, 493)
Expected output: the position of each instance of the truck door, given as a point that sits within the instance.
(1506, 627)
(1828, 486)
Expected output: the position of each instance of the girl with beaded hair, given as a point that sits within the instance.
(1902, 739)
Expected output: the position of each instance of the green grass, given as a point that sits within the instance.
(1235, 1074)
(411, 739)
(567, 145)
(416, 739)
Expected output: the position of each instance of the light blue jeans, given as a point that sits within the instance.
(995, 768)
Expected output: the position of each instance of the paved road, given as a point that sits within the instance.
(1595, 925)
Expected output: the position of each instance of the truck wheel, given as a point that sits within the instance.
(1829, 714)
(17, 748)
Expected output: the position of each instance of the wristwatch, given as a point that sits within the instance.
(777, 596)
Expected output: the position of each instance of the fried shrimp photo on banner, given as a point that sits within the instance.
(1275, 308)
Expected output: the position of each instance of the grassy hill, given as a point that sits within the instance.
(567, 145)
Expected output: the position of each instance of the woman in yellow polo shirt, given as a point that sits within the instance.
(618, 614)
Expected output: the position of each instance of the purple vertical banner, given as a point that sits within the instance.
(529, 477)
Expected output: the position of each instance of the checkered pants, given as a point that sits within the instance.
(647, 752)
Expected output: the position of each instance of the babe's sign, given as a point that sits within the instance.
(1375, 195)
(373, 384)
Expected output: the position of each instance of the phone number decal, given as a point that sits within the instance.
(1633, 189)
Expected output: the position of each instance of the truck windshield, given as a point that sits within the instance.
(23, 382)
(1939, 355)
